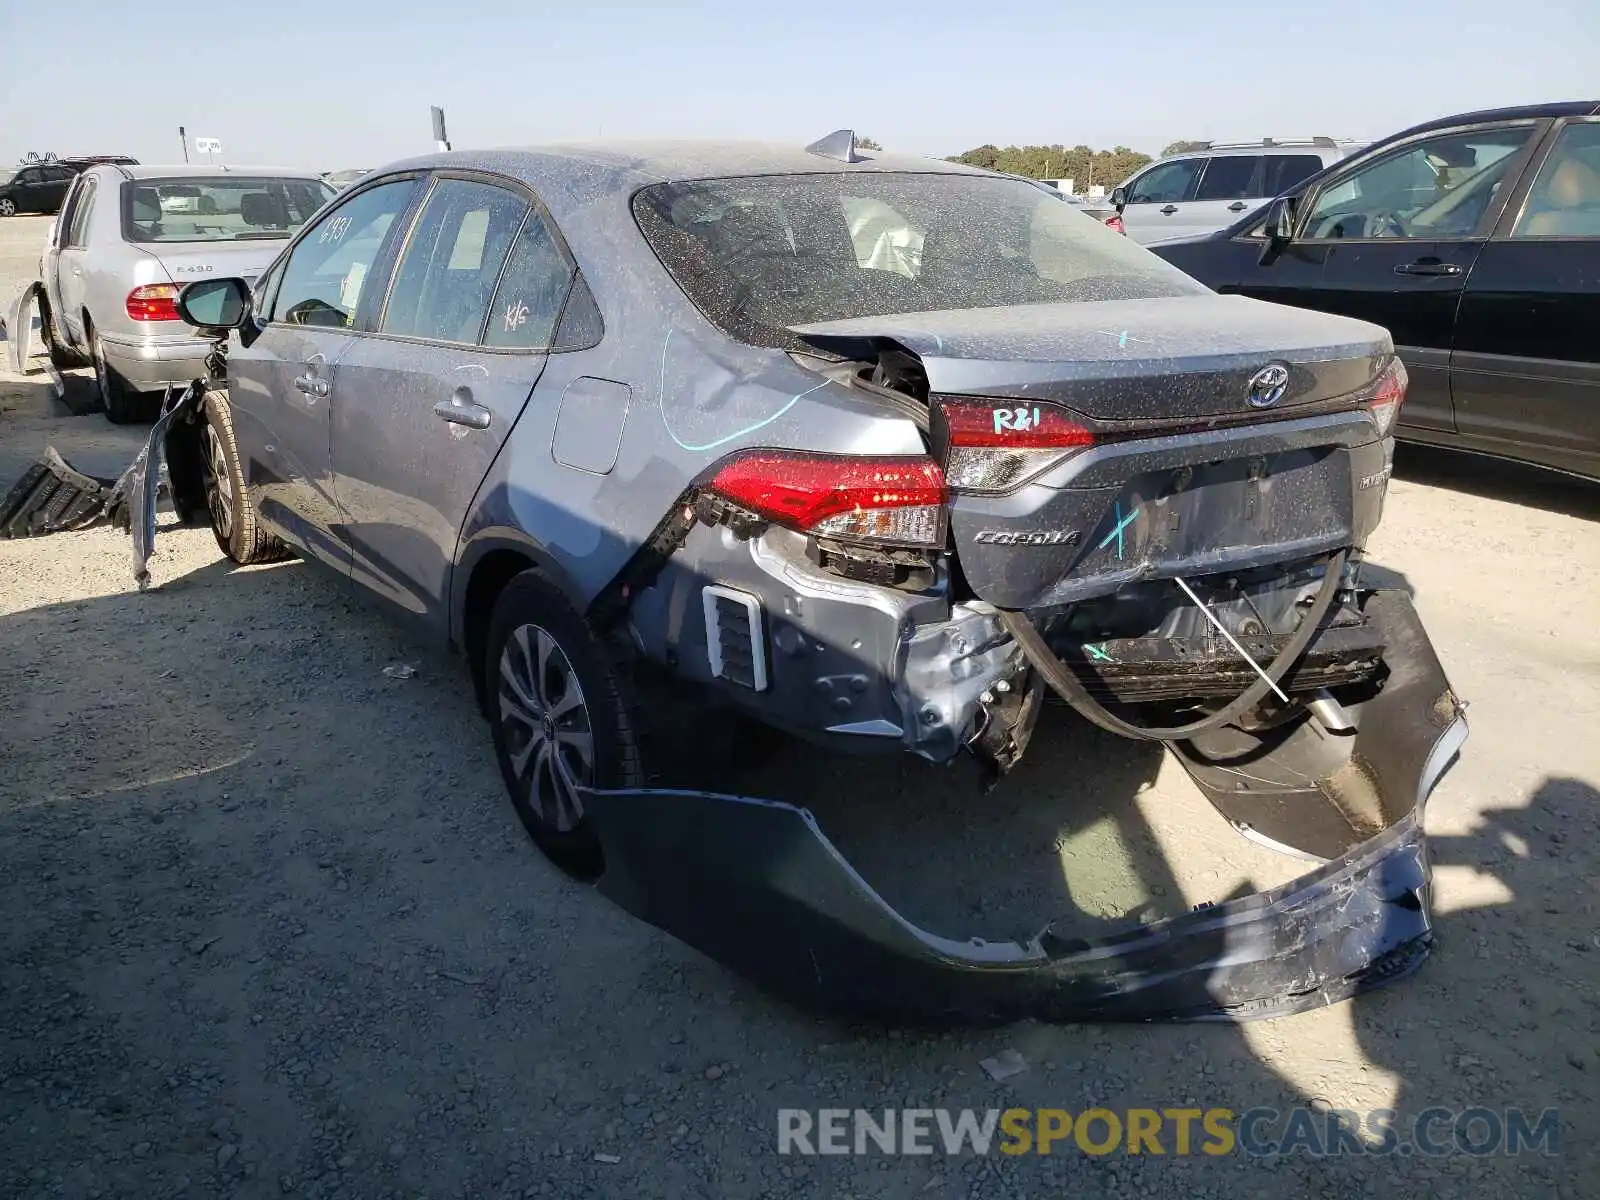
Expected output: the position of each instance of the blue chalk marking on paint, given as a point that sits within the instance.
(1122, 523)
(1096, 652)
(661, 401)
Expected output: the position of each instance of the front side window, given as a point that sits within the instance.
(447, 273)
(760, 255)
(1230, 177)
(1436, 187)
(1565, 198)
(327, 271)
(218, 208)
(1169, 183)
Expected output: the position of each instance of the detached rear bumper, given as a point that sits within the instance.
(758, 886)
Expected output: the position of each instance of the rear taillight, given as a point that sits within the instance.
(154, 302)
(992, 445)
(886, 500)
(1116, 224)
(1388, 394)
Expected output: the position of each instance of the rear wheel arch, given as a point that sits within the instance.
(483, 573)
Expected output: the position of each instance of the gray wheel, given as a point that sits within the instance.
(8, 207)
(233, 517)
(562, 709)
(549, 735)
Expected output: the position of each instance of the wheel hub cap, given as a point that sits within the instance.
(546, 725)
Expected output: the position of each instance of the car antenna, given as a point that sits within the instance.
(840, 144)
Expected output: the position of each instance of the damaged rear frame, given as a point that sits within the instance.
(757, 885)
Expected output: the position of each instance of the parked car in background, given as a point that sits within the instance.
(129, 237)
(1475, 239)
(37, 188)
(1207, 188)
(866, 449)
(343, 179)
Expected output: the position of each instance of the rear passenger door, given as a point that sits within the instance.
(1157, 198)
(424, 403)
(1229, 185)
(1525, 368)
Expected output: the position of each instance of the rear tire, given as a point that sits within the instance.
(562, 709)
(234, 522)
(8, 208)
(62, 357)
(123, 405)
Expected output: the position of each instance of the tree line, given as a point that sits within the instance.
(1082, 165)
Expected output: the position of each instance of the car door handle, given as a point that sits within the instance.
(1428, 268)
(311, 386)
(1238, 206)
(459, 412)
(1168, 210)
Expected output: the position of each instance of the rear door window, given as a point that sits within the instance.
(1565, 198)
(448, 271)
(1283, 171)
(78, 229)
(1230, 177)
(1169, 183)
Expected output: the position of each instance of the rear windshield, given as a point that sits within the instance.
(218, 209)
(757, 255)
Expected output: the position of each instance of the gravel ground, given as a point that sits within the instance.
(273, 929)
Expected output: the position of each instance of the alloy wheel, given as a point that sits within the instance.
(548, 734)
(8, 208)
(219, 487)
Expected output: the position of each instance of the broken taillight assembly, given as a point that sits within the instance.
(993, 445)
(1115, 224)
(154, 302)
(896, 500)
(1388, 394)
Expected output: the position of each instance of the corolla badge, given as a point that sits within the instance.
(1267, 386)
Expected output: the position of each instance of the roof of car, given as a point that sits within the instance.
(1566, 108)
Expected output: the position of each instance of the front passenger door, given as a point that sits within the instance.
(282, 383)
(423, 405)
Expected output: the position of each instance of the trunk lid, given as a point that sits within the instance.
(185, 262)
(1181, 357)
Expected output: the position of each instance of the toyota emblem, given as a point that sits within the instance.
(1267, 386)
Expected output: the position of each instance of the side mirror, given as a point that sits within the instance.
(215, 303)
(1119, 198)
(1279, 227)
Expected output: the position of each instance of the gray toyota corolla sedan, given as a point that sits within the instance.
(876, 450)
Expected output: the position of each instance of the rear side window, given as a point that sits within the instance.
(78, 230)
(446, 279)
(1229, 177)
(532, 291)
(1168, 183)
(761, 255)
(1283, 171)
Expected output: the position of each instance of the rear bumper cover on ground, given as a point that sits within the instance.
(757, 885)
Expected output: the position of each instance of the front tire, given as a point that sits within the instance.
(562, 711)
(61, 356)
(8, 207)
(234, 522)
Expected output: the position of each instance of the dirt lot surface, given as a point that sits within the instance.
(272, 928)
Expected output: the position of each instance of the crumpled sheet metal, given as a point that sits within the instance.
(141, 482)
(18, 331)
(757, 885)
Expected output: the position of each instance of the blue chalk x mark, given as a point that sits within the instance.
(1122, 523)
(1096, 652)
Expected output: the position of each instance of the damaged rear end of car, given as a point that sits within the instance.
(1143, 498)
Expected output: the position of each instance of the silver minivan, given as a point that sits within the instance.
(1211, 184)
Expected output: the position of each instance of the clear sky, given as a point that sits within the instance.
(349, 82)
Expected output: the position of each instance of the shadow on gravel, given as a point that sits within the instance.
(273, 929)
(1499, 479)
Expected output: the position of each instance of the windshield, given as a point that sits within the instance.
(758, 255)
(218, 208)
